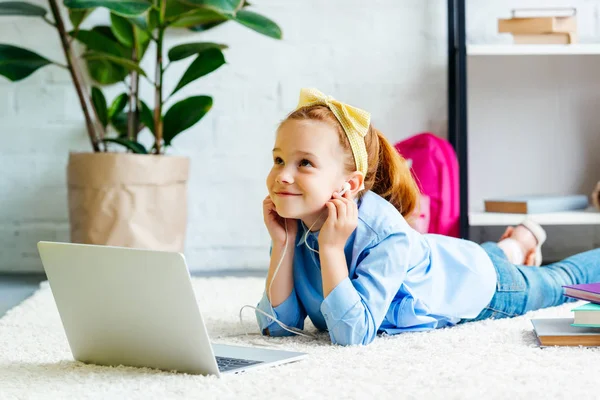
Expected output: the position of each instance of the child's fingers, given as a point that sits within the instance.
(331, 211)
(340, 207)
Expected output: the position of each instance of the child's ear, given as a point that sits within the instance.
(356, 181)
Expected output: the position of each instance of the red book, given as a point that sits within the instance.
(584, 291)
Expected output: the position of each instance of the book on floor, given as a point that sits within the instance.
(534, 204)
(584, 291)
(587, 315)
(560, 332)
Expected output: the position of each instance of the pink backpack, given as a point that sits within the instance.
(435, 168)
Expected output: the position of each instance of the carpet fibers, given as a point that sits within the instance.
(487, 359)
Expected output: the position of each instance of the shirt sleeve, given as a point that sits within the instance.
(355, 308)
(290, 312)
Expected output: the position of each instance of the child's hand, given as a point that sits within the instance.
(341, 221)
(276, 226)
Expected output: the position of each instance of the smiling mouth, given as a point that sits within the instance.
(286, 194)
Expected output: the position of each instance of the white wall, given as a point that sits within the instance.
(387, 56)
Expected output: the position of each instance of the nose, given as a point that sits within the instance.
(284, 176)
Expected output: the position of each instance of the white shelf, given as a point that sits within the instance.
(590, 216)
(531, 49)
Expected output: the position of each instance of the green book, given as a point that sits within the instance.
(587, 315)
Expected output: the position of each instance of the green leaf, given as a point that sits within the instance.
(195, 17)
(152, 20)
(174, 8)
(205, 63)
(78, 16)
(132, 145)
(189, 49)
(147, 117)
(94, 40)
(117, 105)
(140, 22)
(127, 8)
(222, 6)
(122, 29)
(21, 8)
(183, 115)
(258, 23)
(142, 41)
(128, 64)
(205, 27)
(120, 122)
(17, 63)
(99, 102)
(106, 73)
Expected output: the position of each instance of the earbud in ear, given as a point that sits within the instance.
(345, 188)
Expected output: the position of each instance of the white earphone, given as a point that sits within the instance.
(345, 188)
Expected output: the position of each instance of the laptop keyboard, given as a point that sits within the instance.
(227, 364)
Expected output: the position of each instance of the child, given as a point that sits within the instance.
(354, 265)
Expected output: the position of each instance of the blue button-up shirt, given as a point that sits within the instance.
(398, 280)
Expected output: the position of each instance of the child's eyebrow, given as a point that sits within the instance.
(304, 153)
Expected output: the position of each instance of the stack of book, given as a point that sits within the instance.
(588, 314)
(541, 26)
(581, 330)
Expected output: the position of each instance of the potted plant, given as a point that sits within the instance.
(124, 193)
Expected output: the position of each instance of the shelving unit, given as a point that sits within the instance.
(591, 216)
(532, 49)
(458, 54)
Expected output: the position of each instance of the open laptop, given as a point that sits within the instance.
(123, 306)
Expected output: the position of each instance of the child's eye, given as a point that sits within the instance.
(278, 160)
(305, 163)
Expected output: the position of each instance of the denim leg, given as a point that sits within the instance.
(545, 283)
(522, 288)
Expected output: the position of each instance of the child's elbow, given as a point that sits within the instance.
(352, 340)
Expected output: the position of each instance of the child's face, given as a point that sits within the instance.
(308, 166)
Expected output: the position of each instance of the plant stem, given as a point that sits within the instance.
(158, 76)
(84, 100)
(133, 116)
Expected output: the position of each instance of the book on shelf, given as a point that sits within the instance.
(561, 332)
(534, 204)
(583, 291)
(537, 25)
(532, 21)
(545, 38)
(587, 315)
(543, 12)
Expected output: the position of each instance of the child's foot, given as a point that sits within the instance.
(522, 244)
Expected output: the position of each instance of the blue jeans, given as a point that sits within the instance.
(521, 288)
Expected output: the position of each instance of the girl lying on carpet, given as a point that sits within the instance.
(354, 265)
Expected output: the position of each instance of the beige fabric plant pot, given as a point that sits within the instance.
(128, 200)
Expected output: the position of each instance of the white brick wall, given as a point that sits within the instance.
(387, 56)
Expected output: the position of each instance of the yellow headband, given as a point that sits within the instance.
(354, 121)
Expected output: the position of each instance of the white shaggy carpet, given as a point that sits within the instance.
(488, 359)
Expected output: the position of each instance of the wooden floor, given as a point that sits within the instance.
(14, 288)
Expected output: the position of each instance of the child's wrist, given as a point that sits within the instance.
(280, 245)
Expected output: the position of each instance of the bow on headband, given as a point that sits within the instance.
(354, 121)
